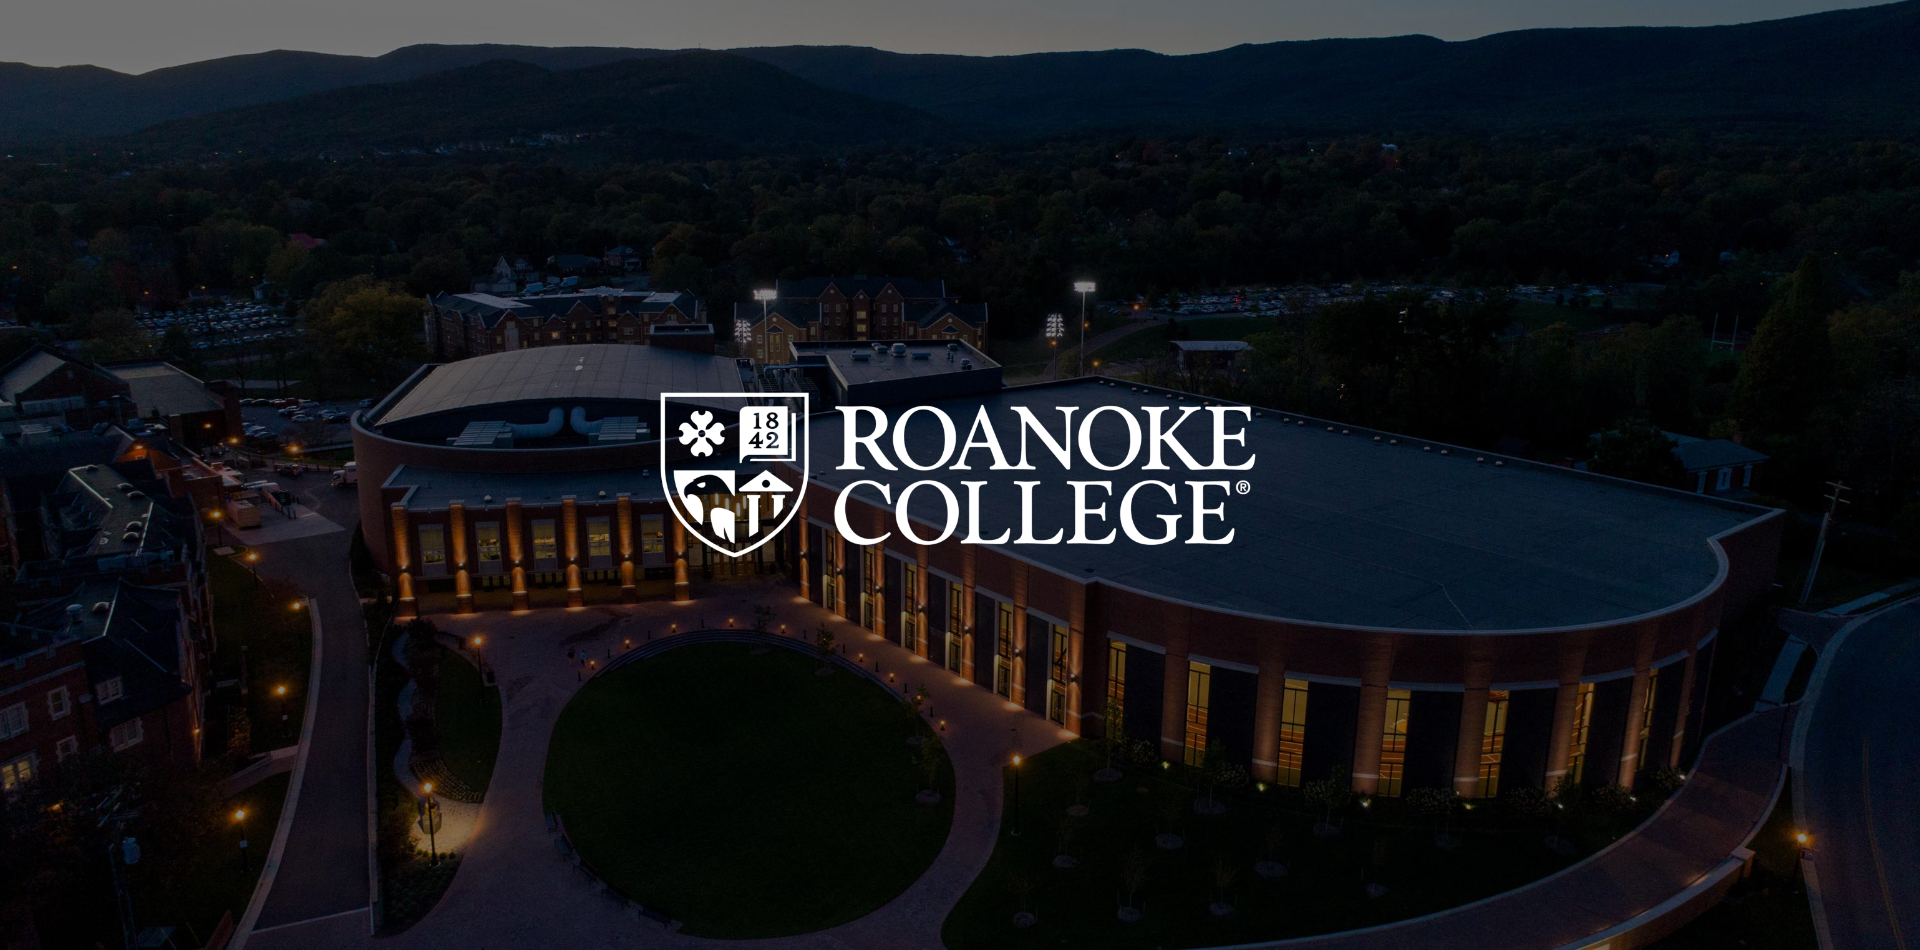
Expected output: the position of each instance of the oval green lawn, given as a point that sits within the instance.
(742, 794)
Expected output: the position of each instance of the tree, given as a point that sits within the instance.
(1788, 367)
(1638, 451)
(365, 328)
(1217, 771)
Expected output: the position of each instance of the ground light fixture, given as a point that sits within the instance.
(433, 847)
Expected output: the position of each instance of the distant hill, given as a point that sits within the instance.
(1849, 71)
(680, 105)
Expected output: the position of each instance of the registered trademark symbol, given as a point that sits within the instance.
(1242, 487)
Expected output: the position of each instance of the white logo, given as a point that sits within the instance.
(734, 501)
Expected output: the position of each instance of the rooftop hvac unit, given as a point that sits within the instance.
(899, 349)
(859, 357)
(922, 355)
(966, 364)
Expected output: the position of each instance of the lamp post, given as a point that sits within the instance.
(433, 848)
(481, 662)
(766, 296)
(253, 561)
(1083, 288)
(1056, 330)
(1016, 795)
(240, 818)
(281, 692)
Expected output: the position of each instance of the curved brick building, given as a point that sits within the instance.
(530, 478)
(1414, 614)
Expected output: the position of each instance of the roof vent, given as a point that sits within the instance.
(487, 498)
(136, 493)
(922, 355)
(93, 468)
(1376, 438)
(1497, 463)
(133, 526)
(1393, 441)
(1426, 448)
(860, 357)
(125, 486)
(101, 607)
(603, 493)
(966, 364)
(1446, 451)
(1479, 459)
(899, 349)
(130, 536)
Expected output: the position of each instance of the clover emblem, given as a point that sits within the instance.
(702, 433)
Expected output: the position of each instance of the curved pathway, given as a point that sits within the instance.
(1859, 764)
(514, 889)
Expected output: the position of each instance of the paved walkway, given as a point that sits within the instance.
(515, 890)
(1859, 764)
(1728, 795)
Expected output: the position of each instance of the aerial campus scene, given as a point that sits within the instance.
(845, 475)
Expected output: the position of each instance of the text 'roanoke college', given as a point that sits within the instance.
(1149, 439)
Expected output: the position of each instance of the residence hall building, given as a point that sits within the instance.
(1403, 612)
(819, 309)
(464, 325)
(531, 478)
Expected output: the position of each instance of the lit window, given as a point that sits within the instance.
(108, 690)
(127, 735)
(599, 542)
(486, 536)
(13, 720)
(1582, 716)
(1057, 676)
(433, 549)
(909, 591)
(1493, 743)
(1199, 698)
(653, 536)
(1393, 742)
(544, 546)
(1003, 652)
(1116, 686)
(66, 747)
(15, 773)
(1293, 731)
(58, 703)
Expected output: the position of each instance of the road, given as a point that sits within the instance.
(1858, 788)
(323, 870)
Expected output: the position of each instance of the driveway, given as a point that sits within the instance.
(1859, 772)
(322, 874)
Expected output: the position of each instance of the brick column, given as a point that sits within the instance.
(1473, 729)
(517, 552)
(1173, 695)
(1020, 643)
(1573, 659)
(1076, 659)
(1686, 706)
(682, 590)
(462, 583)
(970, 623)
(407, 608)
(623, 515)
(1636, 710)
(570, 536)
(918, 600)
(1377, 669)
(1270, 693)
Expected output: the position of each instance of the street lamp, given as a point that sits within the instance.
(1016, 795)
(433, 848)
(240, 818)
(481, 662)
(1083, 288)
(253, 559)
(1056, 329)
(281, 692)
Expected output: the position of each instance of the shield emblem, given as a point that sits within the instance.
(728, 463)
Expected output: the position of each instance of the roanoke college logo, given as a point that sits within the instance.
(717, 452)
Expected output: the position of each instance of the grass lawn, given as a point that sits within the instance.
(468, 717)
(256, 619)
(211, 882)
(1152, 342)
(1768, 910)
(741, 793)
(1323, 891)
(1027, 357)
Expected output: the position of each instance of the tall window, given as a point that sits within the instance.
(546, 553)
(653, 538)
(1293, 731)
(486, 539)
(1493, 742)
(869, 576)
(58, 702)
(829, 545)
(1003, 652)
(108, 690)
(1057, 676)
(1582, 717)
(1199, 695)
(599, 542)
(1646, 725)
(13, 720)
(909, 617)
(127, 734)
(15, 773)
(1393, 742)
(433, 550)
(1116, 685)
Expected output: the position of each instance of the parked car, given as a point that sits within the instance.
(288, 469)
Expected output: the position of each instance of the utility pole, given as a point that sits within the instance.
(1834, 501)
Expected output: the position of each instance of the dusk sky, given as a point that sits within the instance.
(138, 35)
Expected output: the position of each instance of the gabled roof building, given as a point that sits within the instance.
(818, 309)
(476, 324)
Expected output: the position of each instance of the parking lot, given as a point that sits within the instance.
(297, 422)
(222, 325)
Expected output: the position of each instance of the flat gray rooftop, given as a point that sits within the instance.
(167, 388)
(562, 373)
(434, 488)
(873, 366)
(1337, 528)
